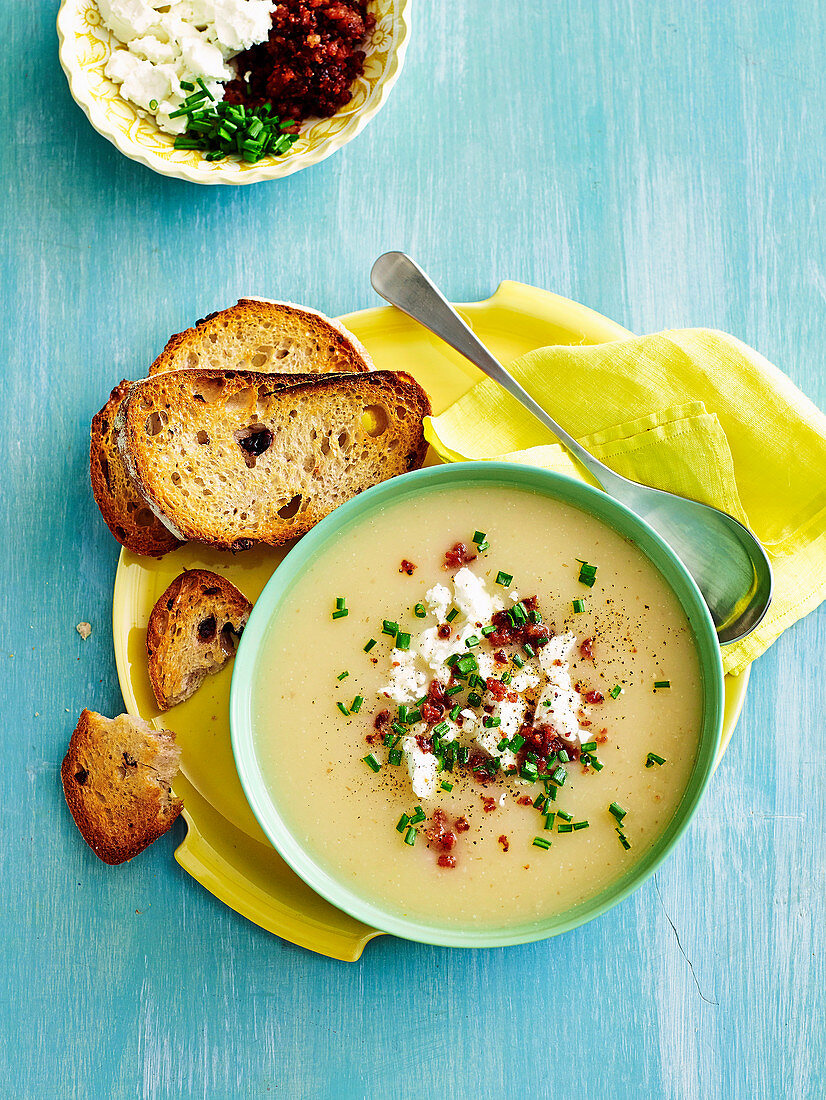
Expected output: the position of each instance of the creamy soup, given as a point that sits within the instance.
(478, 709)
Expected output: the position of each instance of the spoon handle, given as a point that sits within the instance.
(403, 283)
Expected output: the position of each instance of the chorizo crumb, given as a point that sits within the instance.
(503, 840)
(407, 567)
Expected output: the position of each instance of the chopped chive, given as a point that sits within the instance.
(528, 650)
(418, 815)
(454, 689)
(402, 640)
(204, 89)
(487, 630)
(539, 801)
(617, 810)
(551, 793)
(452, 660)
(623, 839)
(343, 675)
(579, 606)
(563, 756)
(395, 757)
(472, 641)
(518, 661)
(563, 828)
(410, 836)
(479, 536)
(490, 722)
(371, 762)
(506, 677)
(455, 712)
(445, 786)
(615, 691)
(342, 613)
(388, 739)
(505, 579)
(558, 776)
(662, 684)
(589, 746)
(518, 614)
(587, 574)
(541, 842)
(369, 645)
(398, 729)
(340, 602)
(580, 825)
(388, 627)
(517, 741)
(502, 745)
(467, 663)
(420, 610)
(355, 706)
(597, 765)
(474, 699)
(342, 708)
(414, 716)
(565, 815)
(653, 759)
(451, 615)
(529, 771)
(441, 729)
(403, 822)
(482, 546)
(549, 821)
(153, 104)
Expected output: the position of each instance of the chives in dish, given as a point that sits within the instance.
(410, 836)
(418, 815)
(402, 640)
(355, 706)
(371, 762)
(587, 573)
(342, 708)
(623, 839)
(341, 613)
(480, 541)
(615, 691)
(564, 828)
(343, 675)
(505, 579)
(369, 645)
(221, 129)
(580, 825)
(653, 759)
(388, 627)
(420, 611)
(589, 746)
(451, 615)
(395, 757)
(472, 641)
(541, 842)
(445, 786)
(617, 810)
(579, 606)
(403, 822)
(564, 815)
(661, 684)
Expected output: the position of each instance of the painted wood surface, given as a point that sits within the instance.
(659, 161)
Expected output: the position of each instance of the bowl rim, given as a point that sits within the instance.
(548, 483)
(273, 167)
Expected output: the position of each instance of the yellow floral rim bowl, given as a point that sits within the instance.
(86, 46)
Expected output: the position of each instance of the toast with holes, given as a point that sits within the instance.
(192, 632)
(117, 778)
(235, 458)
(262, 335)
(127, 515)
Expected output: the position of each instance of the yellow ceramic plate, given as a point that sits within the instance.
(86, 45)
(224, 848)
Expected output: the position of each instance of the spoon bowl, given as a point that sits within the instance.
(727, 562)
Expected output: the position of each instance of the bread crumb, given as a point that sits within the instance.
(84, 630)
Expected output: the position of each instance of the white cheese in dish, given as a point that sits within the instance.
(560, 702)
(423, 767)
(438, 600)
(166, 43)
(407, 680)
(472, 598)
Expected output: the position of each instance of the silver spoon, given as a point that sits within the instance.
(724, 558)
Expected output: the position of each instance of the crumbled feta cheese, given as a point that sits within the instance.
(472, 597)
(438, 600)
(559, 702)
(422, 766)
(407, 681)
(165, 43)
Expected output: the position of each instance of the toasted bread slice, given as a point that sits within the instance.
(270, 337)
(127, 515)
(234, 458)
(193, 631)
(117, 778)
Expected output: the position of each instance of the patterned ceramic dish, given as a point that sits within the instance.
(85, 48)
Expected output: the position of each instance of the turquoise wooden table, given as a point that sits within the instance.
(659, 161)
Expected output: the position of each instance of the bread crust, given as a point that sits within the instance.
(327, 345)
(164, 418)
(116, 776)
(127, 514)
(191, 633)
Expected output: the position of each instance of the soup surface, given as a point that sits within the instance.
(521, 729)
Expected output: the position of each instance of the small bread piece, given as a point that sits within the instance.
(192, 632)
(117, 778)
(270, 337)
(234, 458)
(127, 515)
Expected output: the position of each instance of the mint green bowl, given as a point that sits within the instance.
(263, 624)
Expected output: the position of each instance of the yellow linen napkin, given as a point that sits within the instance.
(692, 411)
